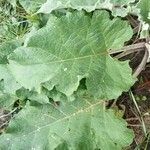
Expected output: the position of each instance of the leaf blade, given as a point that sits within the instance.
(60, 127)
(75, 48)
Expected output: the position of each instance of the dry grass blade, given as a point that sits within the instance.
(139, 112)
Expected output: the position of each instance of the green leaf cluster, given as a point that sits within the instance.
(61, 74)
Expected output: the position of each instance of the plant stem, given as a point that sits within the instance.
(8, 113)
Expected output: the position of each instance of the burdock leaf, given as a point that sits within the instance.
(82, 124)
(74, 47)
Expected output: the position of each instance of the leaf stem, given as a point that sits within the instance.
(130, 48)
(142, 64)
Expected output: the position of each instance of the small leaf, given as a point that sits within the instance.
(7, 101)
(24, 94)
(39, 97)
(7, 48)
(10, 85)
(31, 5)
(144, 6)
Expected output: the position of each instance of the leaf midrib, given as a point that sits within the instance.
(65, 60)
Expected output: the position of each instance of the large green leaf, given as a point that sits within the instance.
(88, 5)
(75, 47)
(79, 125)
(49, 5)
